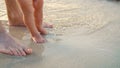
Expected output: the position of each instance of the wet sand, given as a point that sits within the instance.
(86, 35)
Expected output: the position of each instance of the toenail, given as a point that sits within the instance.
(29, 50)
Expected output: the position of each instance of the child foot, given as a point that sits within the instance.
(47, 25)
(38, 39)
(42, 31)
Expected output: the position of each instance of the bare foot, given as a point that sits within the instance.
(42, 31)
(9, 45)
(47, 25)
(38, 38)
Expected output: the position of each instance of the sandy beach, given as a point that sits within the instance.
(85, 35)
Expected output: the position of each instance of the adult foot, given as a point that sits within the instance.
(9, 46)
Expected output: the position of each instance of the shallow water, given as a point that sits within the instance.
(86, 35)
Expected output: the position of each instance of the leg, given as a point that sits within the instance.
(29, 20)
(38, 5)
(8, 45)
(15, 14)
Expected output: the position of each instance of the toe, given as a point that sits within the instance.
(21, 52)
(18, 52)
(46, 25)
(14, 51)
(38, 39)
(42, 41)
(28, 51)
(4, 51)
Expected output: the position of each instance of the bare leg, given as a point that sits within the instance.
(8, 45)
(38, 5)
(15, 14)
(28, 12)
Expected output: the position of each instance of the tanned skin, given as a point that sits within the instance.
(28, 13)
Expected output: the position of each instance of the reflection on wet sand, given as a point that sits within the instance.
(86, 35)
(21, 34)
